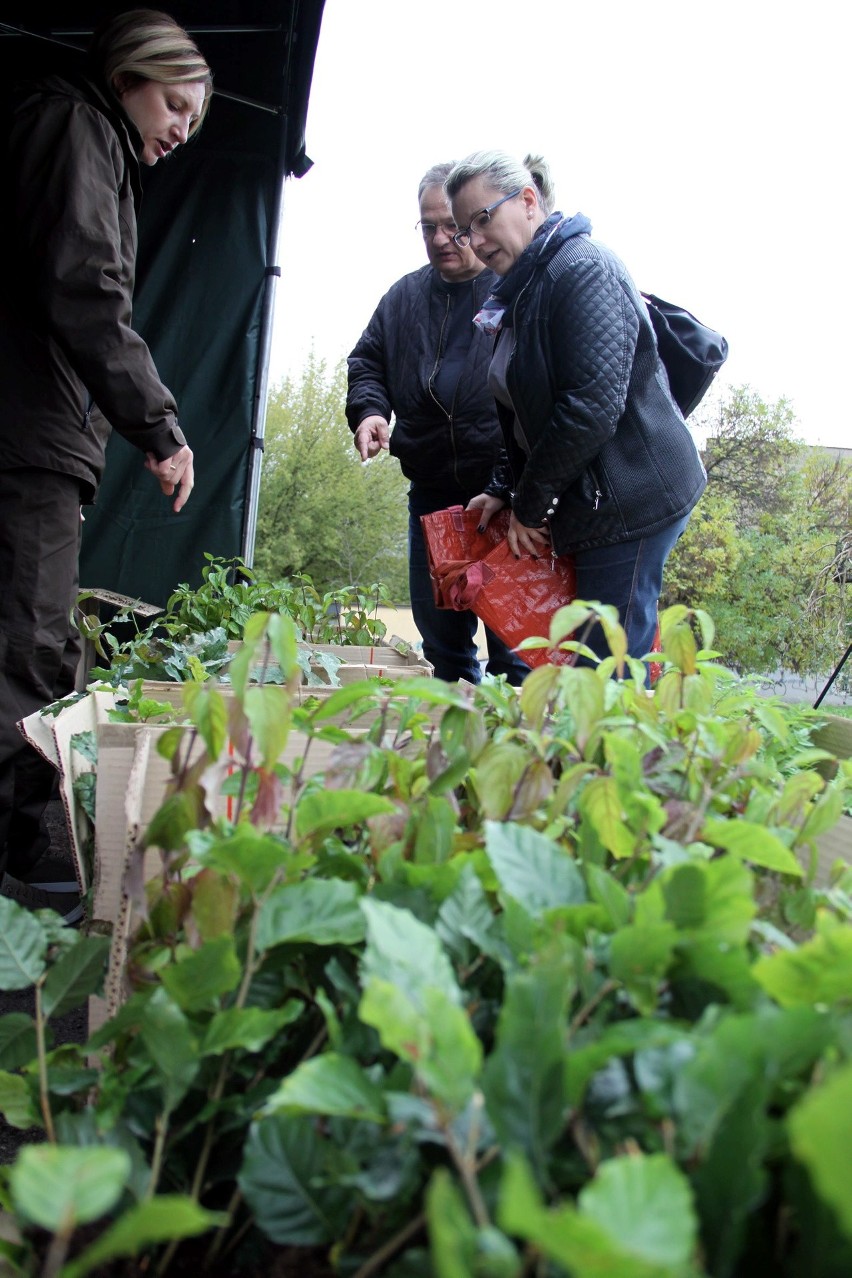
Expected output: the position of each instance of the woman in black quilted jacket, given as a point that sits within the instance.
(601, 464)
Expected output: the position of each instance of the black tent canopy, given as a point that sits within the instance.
(208, 235)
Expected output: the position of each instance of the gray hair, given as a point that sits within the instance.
(144, 44)
(436, 176)
(505, 174)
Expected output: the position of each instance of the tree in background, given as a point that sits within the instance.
(758, 549)
(321, 511)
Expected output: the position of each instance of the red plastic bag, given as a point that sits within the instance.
(515, 598)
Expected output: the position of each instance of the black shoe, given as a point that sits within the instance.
(60, 895)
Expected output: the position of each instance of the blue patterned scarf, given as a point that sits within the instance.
(548, 239)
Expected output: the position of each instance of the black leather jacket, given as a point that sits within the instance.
(604, 454)
(391, 370)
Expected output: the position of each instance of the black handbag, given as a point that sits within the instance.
(691, 352)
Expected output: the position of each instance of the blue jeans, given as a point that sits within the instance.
(630, 576)
(448, 636)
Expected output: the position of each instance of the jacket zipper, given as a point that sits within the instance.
(449, 415)
(87, 416)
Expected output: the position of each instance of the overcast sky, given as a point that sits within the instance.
(708, 144)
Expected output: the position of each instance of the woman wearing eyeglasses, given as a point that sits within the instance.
(421, 361)
(601, 463)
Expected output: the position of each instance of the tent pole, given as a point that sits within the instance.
(258, 428)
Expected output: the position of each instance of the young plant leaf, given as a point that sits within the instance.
(23, 945)
(330, 1084)
(281, 1180)
(820, 1128)
(166, 1218)
(17, 1040)
(59, 1188)
(248, 1028)
(325, 810)
(317, 911)
(203, 976)
(532, 869)
(78, 973)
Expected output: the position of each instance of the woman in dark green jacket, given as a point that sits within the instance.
(71, 364)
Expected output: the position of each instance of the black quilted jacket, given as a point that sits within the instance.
(391, 370)
(606, 456)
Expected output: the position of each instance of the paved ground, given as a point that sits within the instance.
(66, 1029)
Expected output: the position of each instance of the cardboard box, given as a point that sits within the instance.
(132, 784)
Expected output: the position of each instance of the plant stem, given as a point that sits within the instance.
(57, 1251)
(467, 1171)
(44, 1094)
(585, 1012)
(161, 1128)
(219, 1237)
(391, 1247)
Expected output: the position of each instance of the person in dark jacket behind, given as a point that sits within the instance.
(421, 359)
(601, 463)
(71, 365)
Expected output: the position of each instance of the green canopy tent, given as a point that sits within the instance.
(206, 275)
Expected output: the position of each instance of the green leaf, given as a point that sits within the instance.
(281, 1181)
(584, 695)
(16, 1102)
(77, 974)
(499, 769)
(412, 998)
(622, 1039)
(171, 1046)
(202, 977)
(820, 1128)
(635, 1219)
(167, 1218)
(17, 1040)
(752, 843)
(431, 1032)
(645, 1205)
(458, 1249)
(639, 957)
(59, 1188)
(325, 810)
(819, 971)
(406, 952)
(452, 1233)
(600, 802)
(23, 945)
(215, 900)
(283, 637)
(249, 1028)
(268, 710)
(331, 1085)
(207, 709)
(465, 915)
(536, 872)
(730, 1181)
(523, 1079)
(252, 856)
(317, 911)
(607, 892)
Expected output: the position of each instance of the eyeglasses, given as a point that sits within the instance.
(481, 219)
(430, 229)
